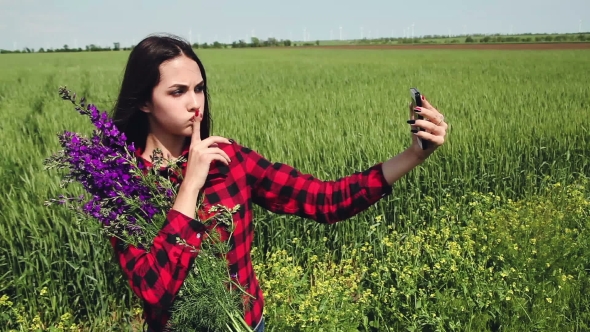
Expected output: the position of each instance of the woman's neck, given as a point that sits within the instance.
(171, 146)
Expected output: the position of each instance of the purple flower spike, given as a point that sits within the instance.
(102, 164)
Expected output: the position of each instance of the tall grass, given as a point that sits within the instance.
(516, 119)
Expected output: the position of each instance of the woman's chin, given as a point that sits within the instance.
(187, 132)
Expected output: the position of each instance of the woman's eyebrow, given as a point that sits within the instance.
(180, 85)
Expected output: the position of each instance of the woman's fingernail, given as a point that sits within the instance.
(418, 109)
(414, 131)
(411, 121)
(423, 98)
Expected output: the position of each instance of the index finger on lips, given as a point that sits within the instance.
(196, 136)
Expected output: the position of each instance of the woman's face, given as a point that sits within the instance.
(177, 98)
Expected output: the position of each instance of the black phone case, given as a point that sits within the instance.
(417, 98)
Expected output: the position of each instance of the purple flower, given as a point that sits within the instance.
(103, 164)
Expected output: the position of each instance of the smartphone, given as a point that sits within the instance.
(417, 102)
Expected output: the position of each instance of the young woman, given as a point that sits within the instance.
(163, 103)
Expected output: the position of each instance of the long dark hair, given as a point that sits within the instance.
(142, 74)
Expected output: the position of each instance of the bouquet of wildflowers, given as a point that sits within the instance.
(130, 202)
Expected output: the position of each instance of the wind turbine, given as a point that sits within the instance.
(580, 26)
(340, 32)
(361, 32)
(304, 34)
(412, 30)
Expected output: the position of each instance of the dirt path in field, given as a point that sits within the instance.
(499, 46)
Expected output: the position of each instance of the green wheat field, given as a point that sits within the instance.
(492, 233)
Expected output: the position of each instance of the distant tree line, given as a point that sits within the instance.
(66, 48)
(273, 42)
(254, 42)
(528, 38)
(481, 38)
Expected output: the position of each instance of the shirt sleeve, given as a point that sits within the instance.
(283, 189)
(156, 276)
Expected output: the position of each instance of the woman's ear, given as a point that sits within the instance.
(146, 108)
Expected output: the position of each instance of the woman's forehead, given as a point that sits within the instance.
(182, 69)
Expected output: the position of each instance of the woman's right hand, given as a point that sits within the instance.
(201, 155)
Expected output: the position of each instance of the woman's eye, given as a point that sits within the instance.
(199, 89)
(176, 92)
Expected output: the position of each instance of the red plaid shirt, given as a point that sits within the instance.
(157, 275)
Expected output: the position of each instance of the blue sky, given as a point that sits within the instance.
(53, 23)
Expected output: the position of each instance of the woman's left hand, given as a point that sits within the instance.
(434, 125)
